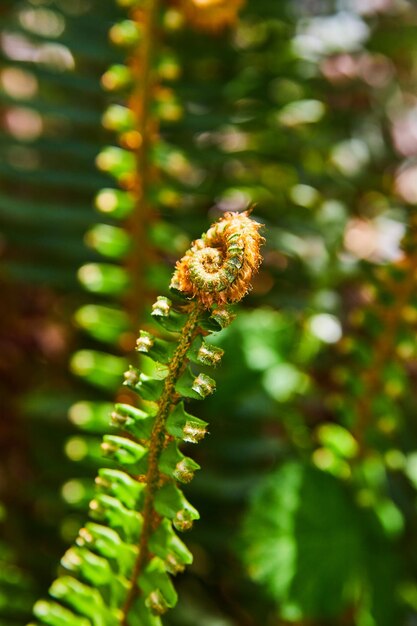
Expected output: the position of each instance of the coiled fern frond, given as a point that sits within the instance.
(118, 571)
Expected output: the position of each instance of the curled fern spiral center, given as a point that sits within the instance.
(215, 269)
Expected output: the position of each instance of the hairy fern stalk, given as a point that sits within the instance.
(118, 571)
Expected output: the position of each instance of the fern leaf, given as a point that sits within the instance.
(132, 547)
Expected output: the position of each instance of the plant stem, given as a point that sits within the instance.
(156, 445)
(384, 348)
(140, 103)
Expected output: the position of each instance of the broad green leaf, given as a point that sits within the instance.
(302, 540)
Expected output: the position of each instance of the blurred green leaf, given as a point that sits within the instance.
(294, 514)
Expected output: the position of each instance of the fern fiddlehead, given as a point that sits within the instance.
(211, 15)
(118, 571)
(218, 268)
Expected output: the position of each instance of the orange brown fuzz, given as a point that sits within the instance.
(211, 15)
(218, 268)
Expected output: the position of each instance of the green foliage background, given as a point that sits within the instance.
(307, 109)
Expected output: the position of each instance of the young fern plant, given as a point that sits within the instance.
(118, 571)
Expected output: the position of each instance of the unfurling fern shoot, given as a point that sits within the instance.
(219, 267)
(118, 571)
(211, 15)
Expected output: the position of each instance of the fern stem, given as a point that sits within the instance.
(140, 104)
(384, 348)
(156, 445)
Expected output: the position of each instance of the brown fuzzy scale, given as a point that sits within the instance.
(211, 15)
(218, 268)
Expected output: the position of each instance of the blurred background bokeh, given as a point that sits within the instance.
(307, 109)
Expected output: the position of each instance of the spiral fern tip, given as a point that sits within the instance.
(218, 268)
